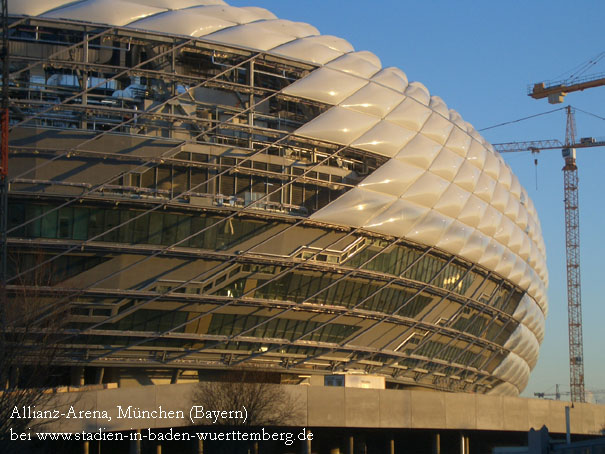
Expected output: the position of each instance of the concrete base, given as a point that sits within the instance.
(339, 407)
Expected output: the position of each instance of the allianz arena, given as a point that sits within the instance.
(196, 187)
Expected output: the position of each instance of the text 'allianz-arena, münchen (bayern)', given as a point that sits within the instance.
(196, 186)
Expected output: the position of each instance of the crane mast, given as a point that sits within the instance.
(572, 241)
(572, 250)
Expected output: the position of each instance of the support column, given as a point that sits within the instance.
(362, 447)
(464, 444)
(175, 376)
(391, 448)
(158, 449)
(85, 79)
(306, 446)
(251, 100)
(437, 443)
(335, 451)
(135, 442)
(99, 375)
(77, 376)
(200, 447)
(350, 445)
(86, 447)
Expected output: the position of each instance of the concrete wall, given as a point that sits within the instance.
(345, 407)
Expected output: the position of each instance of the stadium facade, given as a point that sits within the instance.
(197, 187)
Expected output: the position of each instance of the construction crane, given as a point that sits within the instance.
(572, 240)
(557, 394)
(556, 91)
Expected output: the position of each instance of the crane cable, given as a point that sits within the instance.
(521, 119)
(590, 113)
(580, 69)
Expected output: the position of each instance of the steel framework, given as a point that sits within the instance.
(257, 132)
(572, 241)
(572, 251)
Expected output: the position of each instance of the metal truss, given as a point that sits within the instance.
(308, 263)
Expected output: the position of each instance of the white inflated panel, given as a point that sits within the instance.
(182, 22)
(500, 198)
(394, 178)
(493, 255)
(410, 114)
(373, 99)
(452, 201)
(33, 7)
(446, 164)
(475, 246)
(338, 125)
(309, 50)
(230, 13)
(419, 92)
(467, 177)
(398, 219)
(522, 217)
(438, 105)
(357, 63)
(385, 139)
(514, 370)
(262, 35)
(456, 118)
(504, 230)
(476, 154)
(354, 208)
(392, 78)
(470, 129)
(506, 263)
(437, 128)
(260, 12)
(492, 165)
(518, 270)
(333, 42)
(485, 188)
(506, 177)
(326, 85)
(114, 12)
(459, 142)
(473, 211)
(455, 237)
(420, 151)
(524, 343)
(426, 190)
(490, 222)
(430, 229)
(530, 314)
(515, 186)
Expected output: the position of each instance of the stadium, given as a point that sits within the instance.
(196, 187)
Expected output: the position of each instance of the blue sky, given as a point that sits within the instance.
(480, 57)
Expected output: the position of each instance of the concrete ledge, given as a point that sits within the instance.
(344, 407)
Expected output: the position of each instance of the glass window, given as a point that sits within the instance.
(112, 219)
(49, 223)
(80, 223)
(155, 228)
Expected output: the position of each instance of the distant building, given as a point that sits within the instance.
(208, 187)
